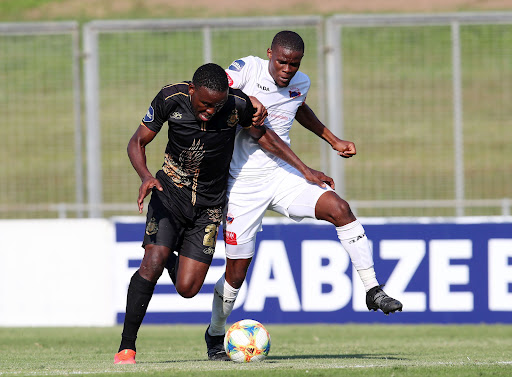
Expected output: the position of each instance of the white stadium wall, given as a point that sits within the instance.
(76, 273)
(56, 272)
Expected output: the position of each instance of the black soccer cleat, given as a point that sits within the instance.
(376, 299)
(215, 347)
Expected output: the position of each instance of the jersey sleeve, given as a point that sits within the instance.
(158, 113)
(238, 72)
(244, 107)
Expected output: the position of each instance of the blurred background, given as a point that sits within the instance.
(422, 88)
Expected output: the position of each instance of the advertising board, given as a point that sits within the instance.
(443, 272)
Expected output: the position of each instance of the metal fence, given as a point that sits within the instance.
(40, 98)
(424, 97)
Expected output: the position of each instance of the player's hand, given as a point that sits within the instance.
(145, 188)
(345, 148)
(318, 178)
(260, 112)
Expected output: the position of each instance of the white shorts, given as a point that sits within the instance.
(285, 191)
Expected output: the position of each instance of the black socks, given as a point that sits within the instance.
(140, 292)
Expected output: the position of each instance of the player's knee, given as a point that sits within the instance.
(187, 290)
(237, 278)
(151, 267)
(339, 213)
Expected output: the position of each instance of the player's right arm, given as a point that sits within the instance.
(148, 129)
(137, 154)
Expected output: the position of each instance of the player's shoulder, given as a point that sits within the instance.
(245, 63)
(301, 83)
(239, 96)
(302, 77)
(175, 90)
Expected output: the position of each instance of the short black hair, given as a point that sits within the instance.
(211, 76)
(289, 40)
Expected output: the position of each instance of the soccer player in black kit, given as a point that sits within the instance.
(188, 194)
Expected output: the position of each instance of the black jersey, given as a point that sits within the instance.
(198, 154)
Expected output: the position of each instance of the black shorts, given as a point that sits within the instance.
(190, 231)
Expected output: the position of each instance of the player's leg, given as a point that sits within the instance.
(159, 239)
(224, 297)
(190, 275)
(332, 208)
(196, 251)
(244, 214)
(140, 291)
(227, 288)
(299, 199)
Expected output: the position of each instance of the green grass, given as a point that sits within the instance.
(298, 350)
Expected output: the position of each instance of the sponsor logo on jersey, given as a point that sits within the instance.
(237, 65)
(176, 115)
(230, 80)
(262, 87)
(295, 92)
(150, 115)
(229, 237)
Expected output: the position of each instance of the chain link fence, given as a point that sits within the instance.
(424, 97)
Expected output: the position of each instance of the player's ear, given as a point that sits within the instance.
(269, 53)
(191, 89)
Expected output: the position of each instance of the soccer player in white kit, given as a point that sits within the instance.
(259, 181)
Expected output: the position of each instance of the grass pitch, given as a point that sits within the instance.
(297, 350)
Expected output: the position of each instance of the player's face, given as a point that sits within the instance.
(206, 102)
(284, 64)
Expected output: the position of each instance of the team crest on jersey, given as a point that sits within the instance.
(150, 115)
(233, 118)
(294, 92)
(176, 115)
(237, 65)
(152, 227)
(229, 218)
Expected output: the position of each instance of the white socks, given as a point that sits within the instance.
(368, 278)
(354, 241)
(224, 296)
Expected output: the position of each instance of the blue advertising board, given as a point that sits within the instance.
(442, 272)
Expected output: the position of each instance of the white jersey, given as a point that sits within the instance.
(251, 75)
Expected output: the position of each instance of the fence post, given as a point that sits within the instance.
(335, 99)
(77, 93)
(458, 142)
(92, 109)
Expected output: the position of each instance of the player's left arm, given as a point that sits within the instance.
(307, 118)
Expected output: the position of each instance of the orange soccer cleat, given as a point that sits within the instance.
(126, 356)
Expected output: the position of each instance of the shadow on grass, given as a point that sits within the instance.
(275, 359)
(338, 356)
